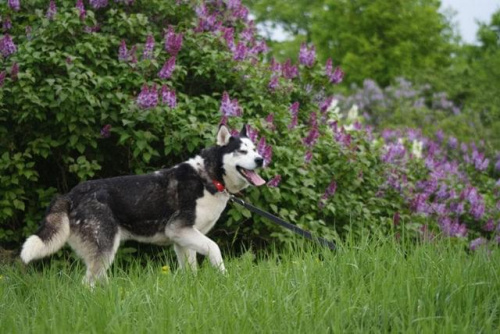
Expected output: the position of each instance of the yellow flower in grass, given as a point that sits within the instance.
(165, 269)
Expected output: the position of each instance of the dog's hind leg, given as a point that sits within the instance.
(97, 251)
(189, 237)
(186, 257)
(95, 239)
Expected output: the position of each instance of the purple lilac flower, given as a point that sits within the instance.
(96, 4)
(52, 10)
(457, 207)
(440, 136)
(452, 227)
(7, 46)
(489, 226)
(274, 66)
(3, 75)
(266, 151)
(419, 204)
(241, 13)
(343, 138)
(149, 47)
(229, 107)
(274, 182)
(337, 76)
(168, 97)
(274, 83)
(7, 24)
(206, 21)
(240, 52)
(439, 208)
(477, 210)
(308, 157)
(329, 67)
(313, 135)
(330, 190)
(311, 138)
(452, 142)
(325, 104)
(259, 47)
(173, 41)
(442, 193)
(248, 34)
(497, 166)
(228, 35)
(307, 56)
(394, 152)
(148, 97)
(294, 110)
(476, 243)
(123, 54)
(252, 133)
(106, 131)
(480, 162)
(167, 69)
(81, 9)
(440, 101)
(14, 5)
(270, 121)
(233, 4)
(288, 70)
(14, 70)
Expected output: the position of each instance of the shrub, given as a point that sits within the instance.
(112, 88)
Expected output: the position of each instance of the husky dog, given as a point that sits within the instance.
(175, 206)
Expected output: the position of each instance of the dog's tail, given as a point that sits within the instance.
(52, 234)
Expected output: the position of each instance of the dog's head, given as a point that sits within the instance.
(239, 160)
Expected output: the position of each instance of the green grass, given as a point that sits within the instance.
(366, 287)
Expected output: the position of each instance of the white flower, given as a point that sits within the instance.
(333, 105)
(352, 114)
(416, 149)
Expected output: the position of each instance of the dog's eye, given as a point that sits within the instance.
(243, 151)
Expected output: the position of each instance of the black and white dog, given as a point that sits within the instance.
(175, 206)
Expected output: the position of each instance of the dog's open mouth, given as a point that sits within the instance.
(251, 176)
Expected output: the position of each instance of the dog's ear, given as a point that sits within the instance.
(243, 132)
(223, 135)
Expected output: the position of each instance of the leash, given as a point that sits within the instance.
(282, 223)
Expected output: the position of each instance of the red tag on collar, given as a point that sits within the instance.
(220, 187)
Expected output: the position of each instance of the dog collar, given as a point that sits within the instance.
(220, 187)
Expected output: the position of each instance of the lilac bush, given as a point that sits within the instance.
(121, 105)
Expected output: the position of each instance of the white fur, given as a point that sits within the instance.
(191, 238)
(208, 210)
(223, 136)
(233, 180)
(186, 257)
(157, 239)
(197, 163)
(34, 248)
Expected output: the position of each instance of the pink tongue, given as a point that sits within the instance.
(254, 178)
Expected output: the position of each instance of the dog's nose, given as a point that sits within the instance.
(259, 161)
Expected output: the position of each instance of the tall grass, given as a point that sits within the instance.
(372, 286)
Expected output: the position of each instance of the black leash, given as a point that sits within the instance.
(281, 222)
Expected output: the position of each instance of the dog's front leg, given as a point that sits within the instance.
(186, 257)
(189, 237)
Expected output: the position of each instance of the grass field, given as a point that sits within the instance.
(366, 287)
